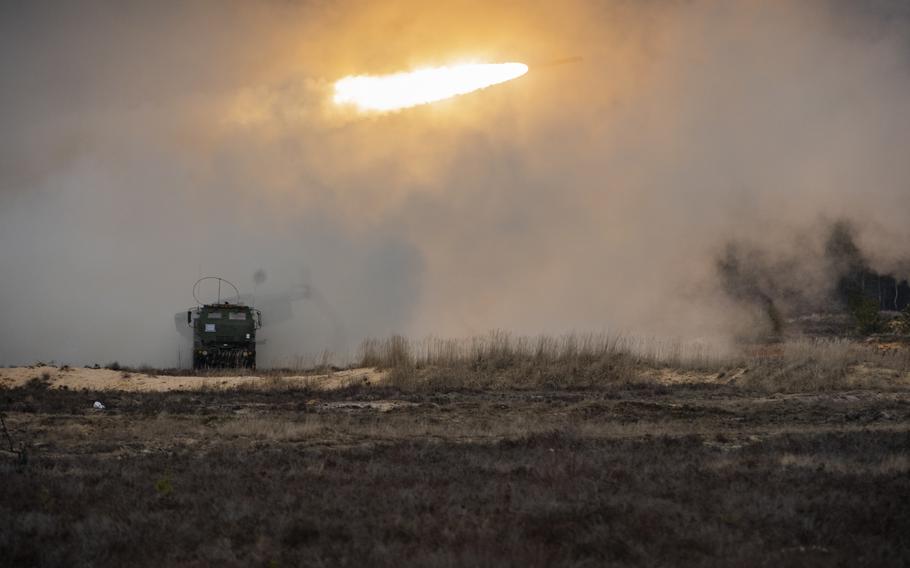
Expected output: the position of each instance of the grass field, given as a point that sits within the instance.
(802, 458)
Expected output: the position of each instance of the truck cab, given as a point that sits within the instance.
(224, 335)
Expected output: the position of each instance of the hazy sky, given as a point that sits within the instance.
(147, 143)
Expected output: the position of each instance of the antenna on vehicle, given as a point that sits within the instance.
(220, 280)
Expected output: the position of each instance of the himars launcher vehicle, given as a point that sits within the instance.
(224, 333)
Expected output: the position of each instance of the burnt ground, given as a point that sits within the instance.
(626, 475)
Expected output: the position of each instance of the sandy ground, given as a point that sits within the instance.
(77, 378)
(80, 378)
(670, 376)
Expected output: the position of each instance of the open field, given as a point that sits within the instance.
(626, 468)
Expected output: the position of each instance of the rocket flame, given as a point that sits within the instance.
(422, 86)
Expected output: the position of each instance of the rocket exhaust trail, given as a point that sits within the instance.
(422, 86)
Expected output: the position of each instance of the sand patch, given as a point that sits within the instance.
(78, 378)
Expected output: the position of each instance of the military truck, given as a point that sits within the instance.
(224, 333)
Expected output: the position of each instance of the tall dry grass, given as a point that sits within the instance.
(811, 364)
(499, 359)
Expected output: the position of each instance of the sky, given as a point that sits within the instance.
(146, 144)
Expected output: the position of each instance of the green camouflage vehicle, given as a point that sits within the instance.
(224, 333)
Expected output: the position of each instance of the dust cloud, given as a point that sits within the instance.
(147, 144)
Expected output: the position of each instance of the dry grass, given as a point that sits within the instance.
(631, 472)
(500, 349)
(828, 364)
(500, 360)
(272, 429)
(627, 476)
(889, 464)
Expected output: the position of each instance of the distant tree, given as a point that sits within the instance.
(903, 321)
(865, 312)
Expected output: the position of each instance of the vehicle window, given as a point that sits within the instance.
(237, 315)
(210, 327)
(214, 315)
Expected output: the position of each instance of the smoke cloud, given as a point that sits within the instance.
(148, 144)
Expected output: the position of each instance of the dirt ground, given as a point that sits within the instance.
(290, 473)
(85, 378)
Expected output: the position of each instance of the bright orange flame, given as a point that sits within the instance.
(422, 86)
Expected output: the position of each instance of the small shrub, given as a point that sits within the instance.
(164, 486)
(902, 323)
(146, 370)
(39, 383)
(866, 315)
